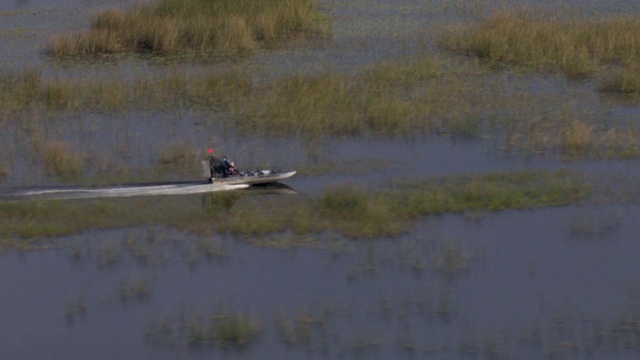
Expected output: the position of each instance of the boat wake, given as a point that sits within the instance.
(121, 191)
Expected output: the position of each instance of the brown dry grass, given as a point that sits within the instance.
(62, 160)
(530, 39)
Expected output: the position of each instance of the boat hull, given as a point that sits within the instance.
(266, 177)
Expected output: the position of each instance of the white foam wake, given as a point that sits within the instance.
(151, 190)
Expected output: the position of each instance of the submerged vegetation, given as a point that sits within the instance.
(196, 26)
(347, 210)
(222, 328)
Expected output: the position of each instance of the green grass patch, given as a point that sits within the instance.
(196, 26)
(532, 39)
(348, 210)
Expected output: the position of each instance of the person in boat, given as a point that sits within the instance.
(222, 168)
(230, 166)
(217, 166)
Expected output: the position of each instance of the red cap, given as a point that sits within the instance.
(210, 150)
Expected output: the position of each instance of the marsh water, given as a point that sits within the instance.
(558, 283)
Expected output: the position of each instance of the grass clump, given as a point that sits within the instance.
(344, 201)
(536, 40)
(62, 160)
(234, 330)
(387, 74)
(17, 90)
(625, 82)
(197, 26)
(224, 329)
(493, 191)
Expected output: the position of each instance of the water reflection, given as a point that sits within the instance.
(225, 200)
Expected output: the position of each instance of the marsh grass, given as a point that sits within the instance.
(196, 26)
(374, 101)
(405, 98)
(17, 90)
(234, 329)
(179, 157)
(389, 74)
(346, 210)
(29, 91)
(539, 40)
(224, 328)
(624, 82)
(425, 97)
(303, 326)
(358, 213)
(62, 160)
(109, 253)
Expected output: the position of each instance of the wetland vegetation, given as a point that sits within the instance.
(539, 39)
(374, 257)
(195, 26)
(389, 99)
(348, 210)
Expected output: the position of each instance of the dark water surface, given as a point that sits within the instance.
(531, 281)
(551, 283)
